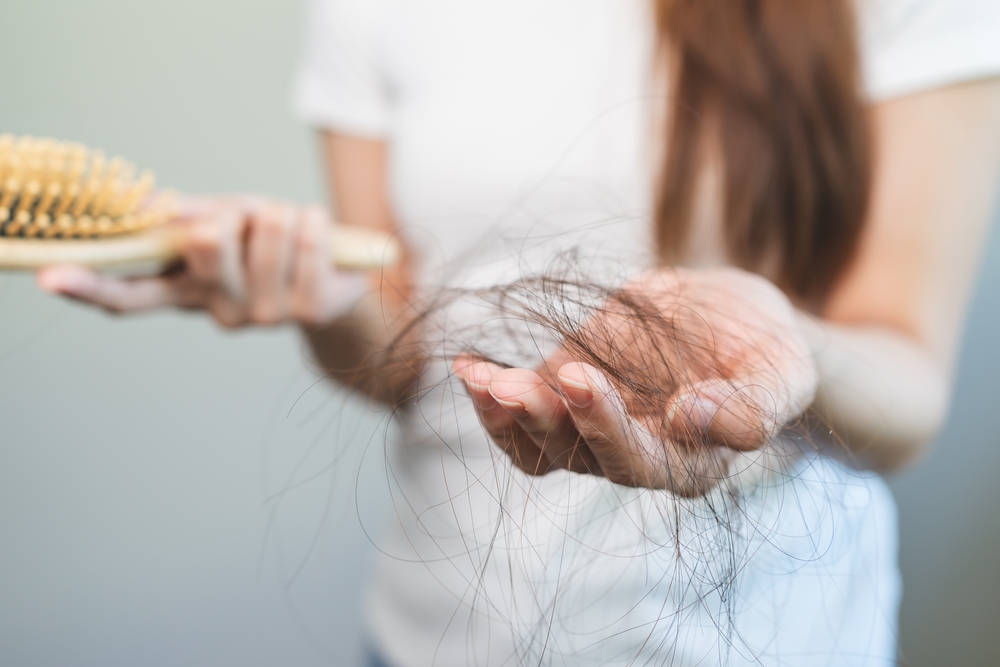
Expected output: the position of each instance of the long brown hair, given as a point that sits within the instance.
(772, 86)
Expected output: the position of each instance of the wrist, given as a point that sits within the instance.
(882, 394)
(339, 299)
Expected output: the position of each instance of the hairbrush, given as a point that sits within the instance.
(63, 203)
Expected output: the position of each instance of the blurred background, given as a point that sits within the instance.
(171, 493)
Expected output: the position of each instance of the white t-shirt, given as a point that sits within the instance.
(519, 129)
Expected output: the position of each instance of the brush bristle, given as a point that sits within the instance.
(56, 190)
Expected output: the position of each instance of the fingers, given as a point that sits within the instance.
(245, 260)
(214, 253)
(319, 293)
(586, 430)
(500, 424)
(311, 266)
(113, 294)
(245, 252)
(214, 257)
(627, 453)
(720, 412)
(773, 385)
(543, 416)
(269, 262)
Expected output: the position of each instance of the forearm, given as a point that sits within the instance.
(373, 348)
(892, 324)
(882, 394)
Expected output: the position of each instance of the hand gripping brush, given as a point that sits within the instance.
(61, 203)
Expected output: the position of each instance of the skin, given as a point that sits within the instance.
(879, 358)
(566, 414)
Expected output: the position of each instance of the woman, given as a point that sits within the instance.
(738, 130)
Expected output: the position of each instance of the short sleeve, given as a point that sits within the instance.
(913, 45)
(340, 83)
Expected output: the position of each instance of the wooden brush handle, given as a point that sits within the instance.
(351, 248)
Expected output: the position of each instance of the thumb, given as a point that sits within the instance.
(114, 294)
(67, 279)
(737, 415)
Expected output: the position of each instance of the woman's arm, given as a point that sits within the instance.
(886, 343)
(883, 349)
(252, 260)
(363, 349)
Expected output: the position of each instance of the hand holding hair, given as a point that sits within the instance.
(679, 371)
(246, 260)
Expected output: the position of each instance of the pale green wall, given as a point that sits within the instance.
(136, 453)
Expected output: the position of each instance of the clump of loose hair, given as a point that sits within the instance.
(654, 348)
(532, 550)
(700, 529)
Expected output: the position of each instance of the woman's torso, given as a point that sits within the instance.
(519, 131)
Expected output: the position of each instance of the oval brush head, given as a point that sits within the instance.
(62, 203)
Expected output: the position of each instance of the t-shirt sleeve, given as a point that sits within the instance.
(340, 83)
(913, 45)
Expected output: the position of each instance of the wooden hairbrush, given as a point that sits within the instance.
(62, 203)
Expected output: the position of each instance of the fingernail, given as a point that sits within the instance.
(513, 407)
(577, 393)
